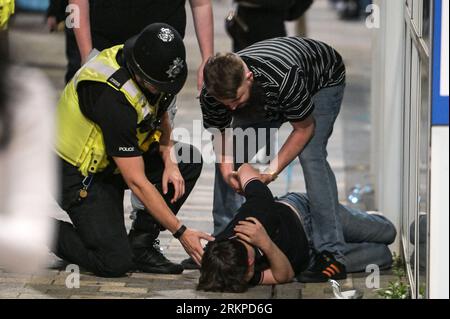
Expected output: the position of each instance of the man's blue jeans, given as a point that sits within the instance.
(319, 178)
(226, 202)
(366, 236)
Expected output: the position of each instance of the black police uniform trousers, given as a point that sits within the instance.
(262, 24)
(97, 240)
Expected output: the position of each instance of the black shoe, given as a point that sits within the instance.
(189, 264)
(151, 260)
(325, 268)
(58, 263)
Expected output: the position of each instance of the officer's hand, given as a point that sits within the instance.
(191, 243)
(172, 175)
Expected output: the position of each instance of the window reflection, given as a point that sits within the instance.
(426, 21)
(424, 190)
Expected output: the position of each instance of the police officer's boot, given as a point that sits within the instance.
(147, 256)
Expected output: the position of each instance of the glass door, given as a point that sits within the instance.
(416, 148)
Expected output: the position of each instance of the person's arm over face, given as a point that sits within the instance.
(133, 172)
(253, 232)
(83, 31)
(204, 29)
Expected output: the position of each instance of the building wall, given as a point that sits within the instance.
(402, 149)
(438, 270)
(386, 114)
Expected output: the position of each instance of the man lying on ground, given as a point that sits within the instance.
(269, 242)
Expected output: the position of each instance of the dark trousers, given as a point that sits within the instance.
(262, 24)
(73, 53)
(97, 239)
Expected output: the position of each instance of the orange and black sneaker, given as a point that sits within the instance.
(325, 268)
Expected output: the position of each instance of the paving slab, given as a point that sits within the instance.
(288, 291)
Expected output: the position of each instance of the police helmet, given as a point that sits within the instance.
(158, 56)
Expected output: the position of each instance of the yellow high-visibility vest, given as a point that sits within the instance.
(79, 140)
(6, 10)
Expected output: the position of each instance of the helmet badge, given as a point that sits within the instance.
(166, 35)
(175, 68)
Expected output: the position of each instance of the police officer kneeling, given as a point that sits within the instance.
(114, 134)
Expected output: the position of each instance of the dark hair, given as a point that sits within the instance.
(223, 75)
(224, 266)
(4, 113)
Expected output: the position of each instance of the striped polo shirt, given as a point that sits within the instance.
(290, 71)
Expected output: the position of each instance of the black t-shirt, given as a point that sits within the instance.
(118, 20)
(281, 223)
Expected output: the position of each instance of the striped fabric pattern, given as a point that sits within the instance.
(291, 70)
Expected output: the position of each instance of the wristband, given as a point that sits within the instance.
(272, 174)
(180, 232)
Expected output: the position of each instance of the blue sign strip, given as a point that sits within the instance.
(440, 106)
